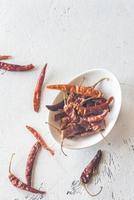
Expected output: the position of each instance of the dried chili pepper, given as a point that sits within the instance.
(5, 57)
(95, 128)
(59, 116)
(89, 170)
(56, 107)
(39, 138)
(14, 67)
(96, 118)
(93, 101)
(30, 162)
(84, 111)
(37, 92)
(19, 184)
(86, 91)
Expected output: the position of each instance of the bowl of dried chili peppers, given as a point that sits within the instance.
(85, 110)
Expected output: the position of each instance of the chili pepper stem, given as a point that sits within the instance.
(10, 163)
(53, 126)
(64, 98)
(92, 195)
(62, 138)
(82, 81)
(99, 81)
(105, 138)
(86, 100)
(62, 141)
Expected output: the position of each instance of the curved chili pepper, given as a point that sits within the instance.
(37, 92)
(15, 181)
(95, 118)
(5, 57)
(14, 67)
(94, 110)
(89, 170)
(39, 138)
(94, 129)
(30, 162)
(56, 107)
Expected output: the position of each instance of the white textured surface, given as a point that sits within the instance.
(72, 36)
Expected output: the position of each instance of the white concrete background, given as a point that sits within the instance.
(72, 36)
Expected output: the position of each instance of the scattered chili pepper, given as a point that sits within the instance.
(37, 92)
(14, 67)
(89, 170)
(19, 184)
(30, 162)
(5, 57)
(39, 138)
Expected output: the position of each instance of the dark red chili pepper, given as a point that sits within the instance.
(37, 92)
(5, 57)
(72, 130)
(40, 139)
(94, 110)
(59, 116)
(95, 118)
(56, 107)
(30, 162)
(19, 184)
(89, 170)
(14, 67)
(93, 101)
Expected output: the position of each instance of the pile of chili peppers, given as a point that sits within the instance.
(81, 113)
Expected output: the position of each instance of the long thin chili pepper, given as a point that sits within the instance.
(30, 162)
(39, 138)
(37, 92)
(15, 181)
(14, 67)
(86, 91)
(89, 170)
(5, 57)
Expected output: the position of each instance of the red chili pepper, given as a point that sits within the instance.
(19, 184)
(5, 57)
(39, 138)
(89, 170)
(37, 92)
(14, 67)
(30, 162)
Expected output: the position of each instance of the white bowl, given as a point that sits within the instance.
(109, 88)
